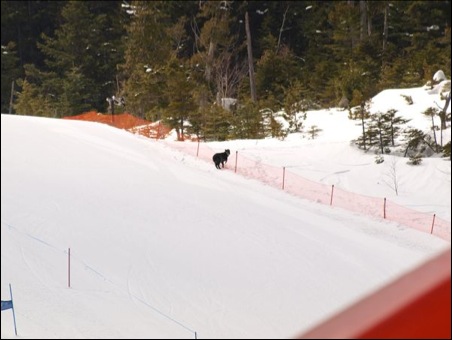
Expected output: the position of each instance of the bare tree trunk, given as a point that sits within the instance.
(353, 38)
(228, 75)
(12, 98)
(363, 126)
(444, 113)
(250, 59)
(281, 29)
(434, 133)
(363, 21)
(208, 72)
(393, 182)
(380, 133)
(181, 136)
(385, 25)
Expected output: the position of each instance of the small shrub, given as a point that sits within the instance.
(408, 99)
(314, 131)
(446, 150)
(379, 159)
(415, 160)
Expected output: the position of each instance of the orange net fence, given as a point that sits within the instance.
(127, 122)
(283, 178)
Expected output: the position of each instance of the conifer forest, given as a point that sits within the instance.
(225, 67)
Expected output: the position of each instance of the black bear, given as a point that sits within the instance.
(221, 158)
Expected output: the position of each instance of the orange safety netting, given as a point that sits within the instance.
(284, 179)
(127, 122)
(299, 186)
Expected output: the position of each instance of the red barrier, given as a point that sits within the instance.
(416, 306)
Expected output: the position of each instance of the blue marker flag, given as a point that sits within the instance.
(7, 304)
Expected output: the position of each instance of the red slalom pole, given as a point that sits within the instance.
(69, 268)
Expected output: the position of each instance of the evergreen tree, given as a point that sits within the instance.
(80, 53)
(179, 96)
(81, 59)
(148, 49)
(295, 106)
(249, 122)
(275, 72)
(21, 25)
(218, 48)
(432, 112)
(362, 112)
(10, 72)
(23, 22)
(392, 125)
(217, 123)
(381, 130)
(417, 142)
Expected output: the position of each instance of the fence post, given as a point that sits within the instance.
(197, 150)
(384, 209)
(283, 176)
(69, 268)
(235, 166)
(433, 223)
(332, 190)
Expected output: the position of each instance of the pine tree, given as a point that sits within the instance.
(275, 72)
(149, 47)
(80, 59)
(219, 48)
(249, 121)
(295, 106)
(10, 73)
(179, 96)
(393, 124)
(432, 112)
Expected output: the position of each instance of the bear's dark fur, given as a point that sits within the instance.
(221, 158)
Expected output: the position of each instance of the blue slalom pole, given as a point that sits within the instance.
(12, 303)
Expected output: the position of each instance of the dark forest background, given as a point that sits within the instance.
(178, 60)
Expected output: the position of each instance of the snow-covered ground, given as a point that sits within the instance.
(163, 245)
